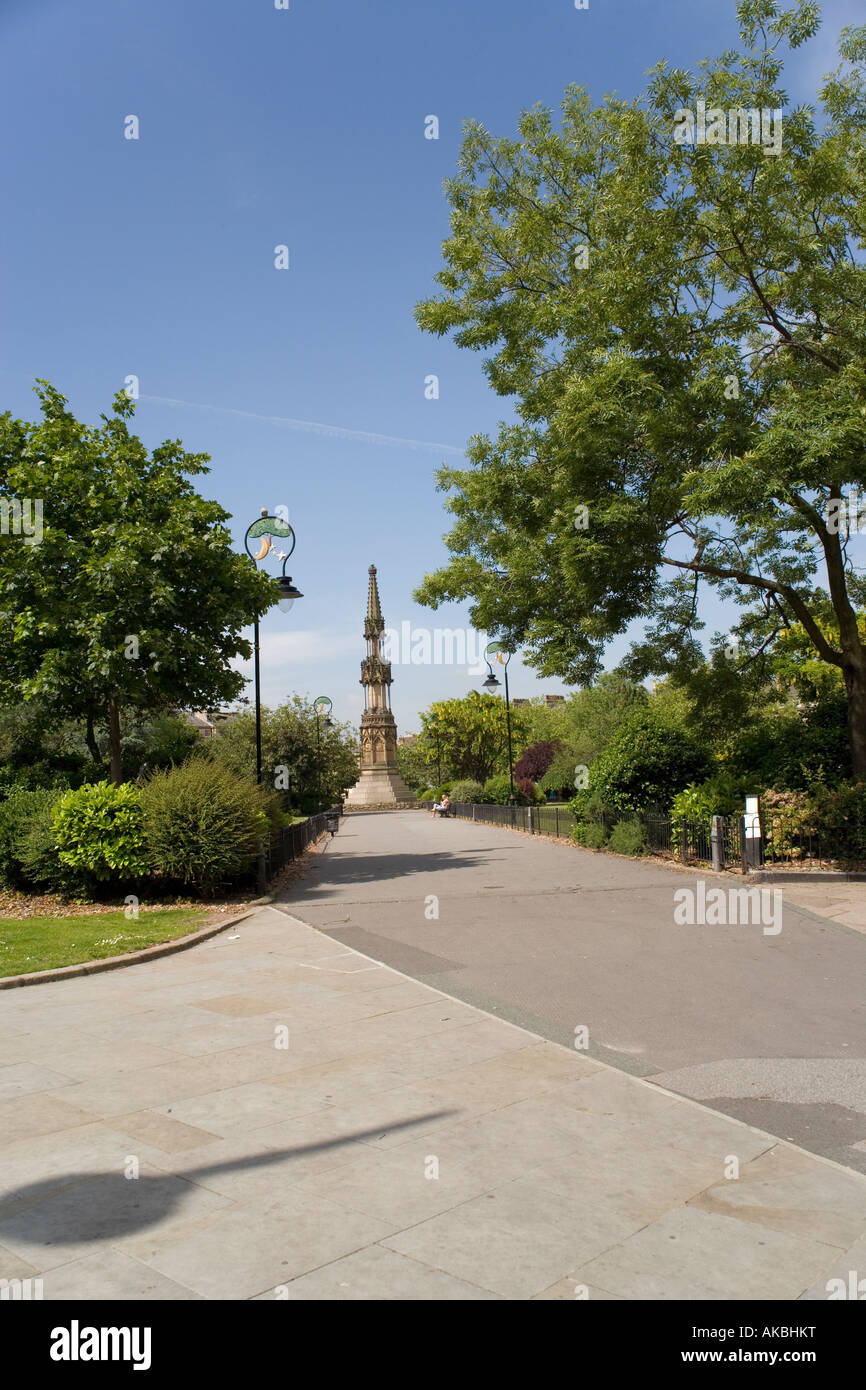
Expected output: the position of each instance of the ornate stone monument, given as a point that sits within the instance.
(380, 783)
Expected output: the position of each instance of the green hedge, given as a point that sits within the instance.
(467, 791)
(199, 824)
(28, 842)
(627, 837)
(203, 824)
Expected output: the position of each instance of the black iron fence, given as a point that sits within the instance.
(741, 841)
(537, 820)
(290, 842)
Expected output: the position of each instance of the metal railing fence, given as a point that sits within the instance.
(782, 840)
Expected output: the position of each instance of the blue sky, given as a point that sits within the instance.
(304, 127)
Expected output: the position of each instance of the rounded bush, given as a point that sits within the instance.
(203, 824)
(98, 830)
(645, 764)
(591, 834)
(497, 791)
(627, 837)
(467, 791)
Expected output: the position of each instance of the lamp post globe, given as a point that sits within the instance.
(262, 530)
(503, 657)
(288, 593)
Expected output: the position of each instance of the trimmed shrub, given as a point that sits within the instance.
(645, 764)
(627, 837)
(497, 791)
(98, 830)
(203, 824)
(38, 857)
(28, 844)
(467, 790)
(591, 834)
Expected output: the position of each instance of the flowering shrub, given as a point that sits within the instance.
(833, 817)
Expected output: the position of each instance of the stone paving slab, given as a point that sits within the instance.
(840, 902)
(271, 1117)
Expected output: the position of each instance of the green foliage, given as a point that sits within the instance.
(472, 734)
(627, 837)
(697, 387)
(590, 834)
(645, 765)
(20, 814)
(437, 793)
(38, 749)
(589, 807)
(560, 776)
(467, 791)
(162, 741)
(133, 551)
(497, 791)
(720, 795)
(203, 823)
(36, 850)
(791, 749)
(317, 768)
(414, 766)
(98, 829)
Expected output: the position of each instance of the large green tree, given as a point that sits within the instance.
(682, 328)
(473, 735)
(133, 598)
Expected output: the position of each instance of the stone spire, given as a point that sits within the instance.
(375, 623)
(380, 783)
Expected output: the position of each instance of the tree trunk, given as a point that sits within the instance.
(114, 735)
(855, 687)
(90, 739)
(852, 648)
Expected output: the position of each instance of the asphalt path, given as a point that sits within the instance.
(583, 948)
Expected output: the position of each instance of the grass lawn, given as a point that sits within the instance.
(43, 943)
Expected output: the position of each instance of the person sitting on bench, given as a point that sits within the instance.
(443, 807)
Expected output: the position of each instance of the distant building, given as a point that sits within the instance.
(208, 722)
(550, 700)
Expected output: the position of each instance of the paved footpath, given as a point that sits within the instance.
(768, 1028)
(159, 1141)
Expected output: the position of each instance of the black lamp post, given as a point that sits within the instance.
(321, 705)
(496, 649)
(262, 530)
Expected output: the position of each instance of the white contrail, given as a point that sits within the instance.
(312, 426)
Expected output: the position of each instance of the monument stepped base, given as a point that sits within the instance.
(385, 806)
